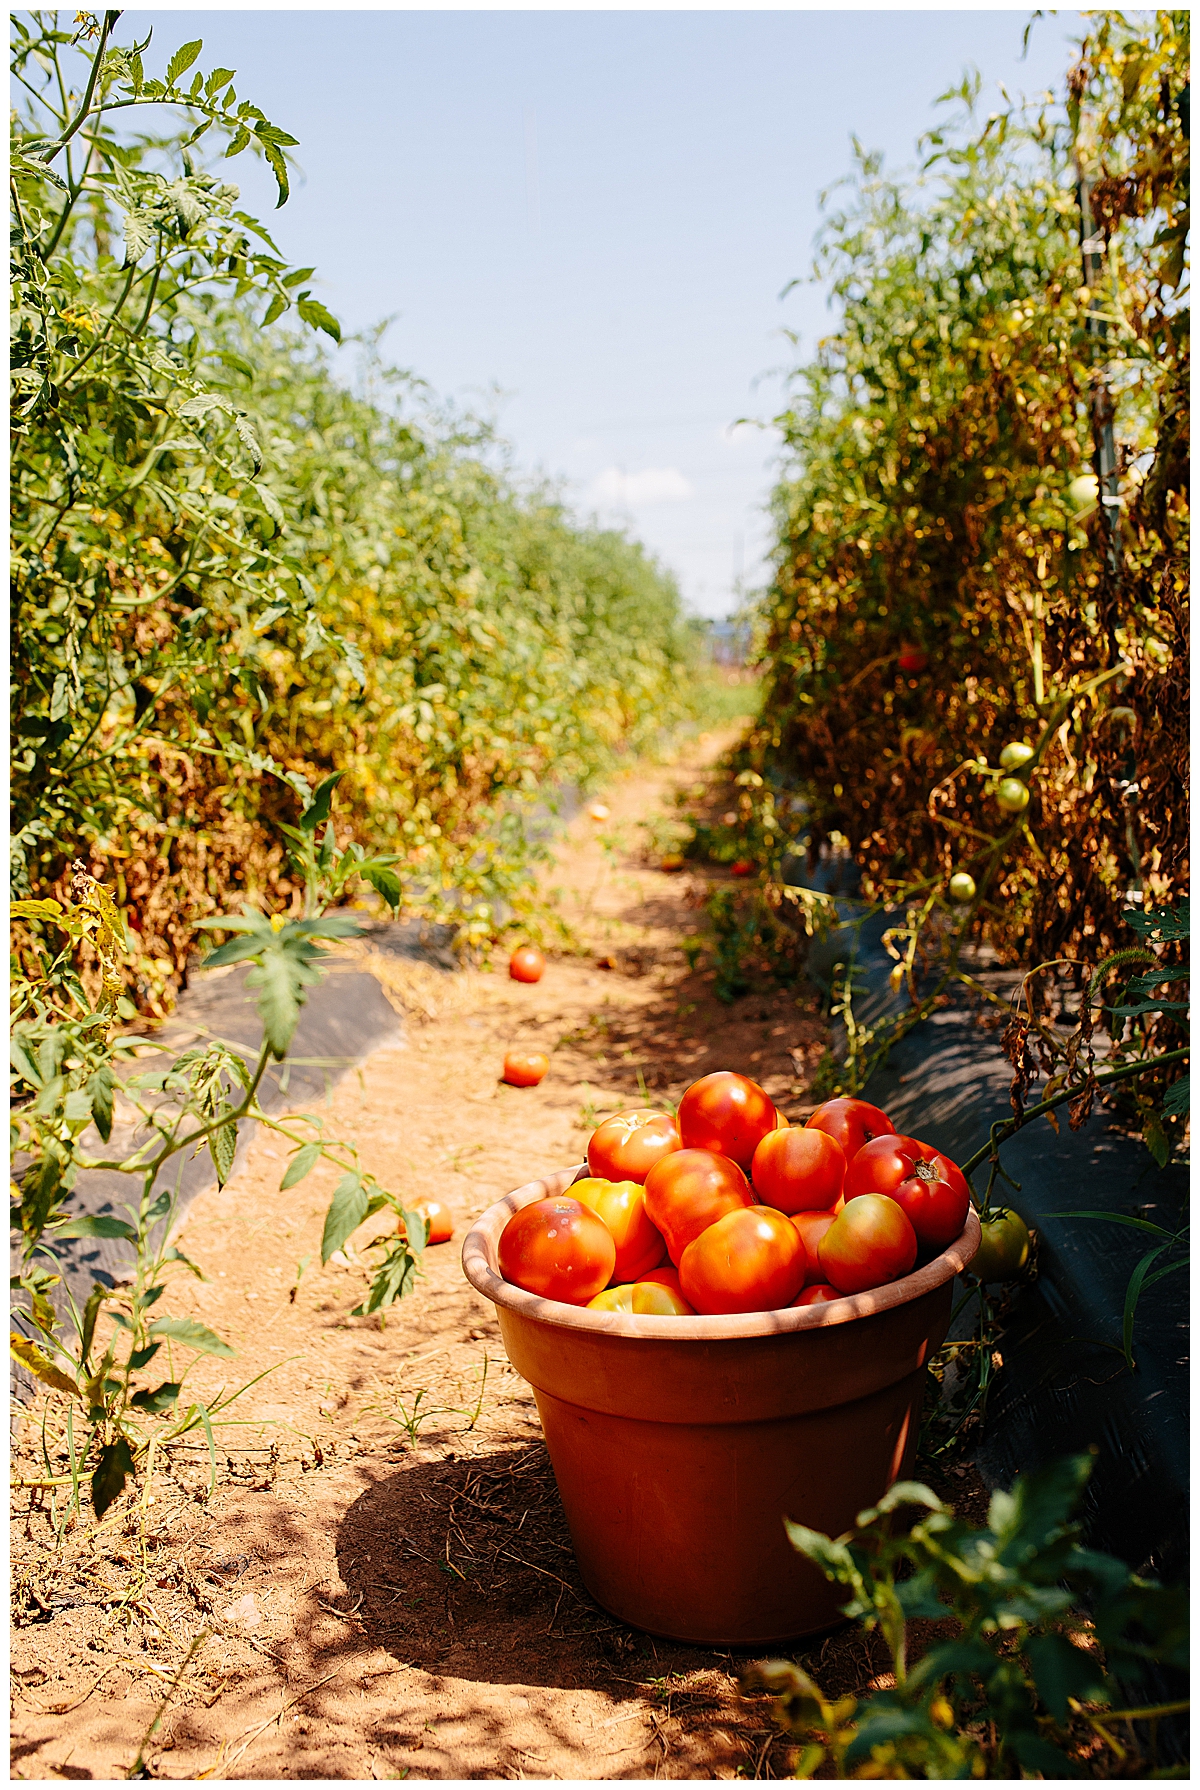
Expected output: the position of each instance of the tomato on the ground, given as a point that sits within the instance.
(689, 1190)
(820, 1293)
(527, 964)
(559, 1249)
(438, 1217)
(851, 1122)
(798, 1171)
(728, 1114)
(812, 1226)
(1004, 1247)
(930, 1189)
(751, 1260)
(645, 1299)
(622, 1207)
(525, 1069)
(626, 1147)
(869, 1243)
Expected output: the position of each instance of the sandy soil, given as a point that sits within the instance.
(381, 1583)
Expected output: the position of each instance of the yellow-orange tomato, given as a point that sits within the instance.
(439, 1218)
(812, 1226)
(869, 1243)
(525, 1069)
(727, 1114)
(627, 1146)
(689, 1190)
(818, 1294)
(644, 1298)
(558, 1249)
(798, 1171)
(750, 1260)
(622, 1206)
(666, 1276)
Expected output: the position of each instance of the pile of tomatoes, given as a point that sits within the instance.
(728, 1208)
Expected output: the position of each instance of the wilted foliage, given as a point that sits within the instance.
(937, 499)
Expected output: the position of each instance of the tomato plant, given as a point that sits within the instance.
(851, 1122)
(1004, 1247)
(558, 1249)
(869, 1243)
(798, 1170)
(525, 1069)
(750, 1260)
(622, 1207)
(728, 1114)
(689, 1190)
(626, 1147)
(527, 964)
(930, 1189)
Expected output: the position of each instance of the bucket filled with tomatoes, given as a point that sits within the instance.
(726, 1319)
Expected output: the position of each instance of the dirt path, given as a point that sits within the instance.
(385, 1588)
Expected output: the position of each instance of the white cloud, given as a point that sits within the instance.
(630, 490)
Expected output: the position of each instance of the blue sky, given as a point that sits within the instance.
(582, 221)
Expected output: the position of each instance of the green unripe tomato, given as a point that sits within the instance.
(1015, 754)
(1004, 1249)
(1012, 795)
(962, 887)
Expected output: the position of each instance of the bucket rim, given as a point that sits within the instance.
(480, 1259)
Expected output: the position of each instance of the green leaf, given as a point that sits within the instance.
(317, 811)
(1136, 1224)
(192, 1334)
(182, 60)
(100, 1089)
(1038, 1508)
(35, 910)
(161, 1399)
(222, 1147)
(271, 133)
(108, 1481)
(141, 1358)
(1178, 1101)
(1132, 1294)
(302, 1162)
(31, 1357)
(236, 951)
(1038, 1755)
(276, 308)
(385, 882)
(394, 1279)
(219, 77)
(278, 166)
(317, 317)
(1061, 1670)
(279, 978)
(95, 1226)
(91, 1312)
(299, 276)
(347, 1209)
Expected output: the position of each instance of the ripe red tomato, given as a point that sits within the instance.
(818, 1294)
(526, 964)
(666, 1276)
(798, 1171)
(689, 1190)
(929, 1188)
(626, 1147)
(558, 1249)
(912, 659)
(852, 1122)
(525, 1069)
(752, 1260)
(741, 867)
(622, 1207)
(812, 1226)
(869, 1243)
(727, 1114)
(439, 1220)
